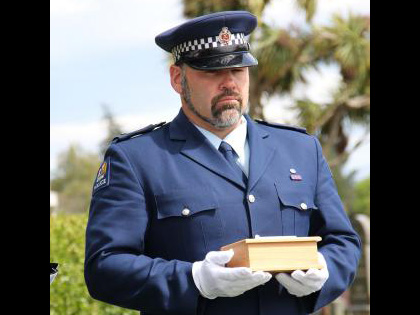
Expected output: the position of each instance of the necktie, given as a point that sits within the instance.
(230, 156)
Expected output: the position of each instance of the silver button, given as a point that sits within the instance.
(251, 198)
(303, 206)
(185, 211)
(293, 171)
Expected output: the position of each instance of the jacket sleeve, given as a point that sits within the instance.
(340, 244)
(116, 269)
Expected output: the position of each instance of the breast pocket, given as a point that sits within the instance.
(191, 216)
(296, 207)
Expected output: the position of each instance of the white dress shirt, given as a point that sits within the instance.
(237, 139)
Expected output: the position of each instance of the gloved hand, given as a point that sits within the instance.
(214, 280)
(302, 283)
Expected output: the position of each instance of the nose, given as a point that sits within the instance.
(228, 81)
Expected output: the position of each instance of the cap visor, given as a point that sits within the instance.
(223, 61)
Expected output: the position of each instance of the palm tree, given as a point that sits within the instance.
(347, 44)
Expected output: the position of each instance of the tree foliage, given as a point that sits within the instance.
(113, 129)
(74, 178)
(362, 197)
(194, 8)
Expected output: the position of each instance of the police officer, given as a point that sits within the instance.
(167, 197)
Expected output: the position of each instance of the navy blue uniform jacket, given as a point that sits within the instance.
(140, 247)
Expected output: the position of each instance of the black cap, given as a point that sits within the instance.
(213, 41)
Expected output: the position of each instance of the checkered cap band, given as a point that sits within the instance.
(206, 43)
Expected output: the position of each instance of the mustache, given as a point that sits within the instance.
(224, 94)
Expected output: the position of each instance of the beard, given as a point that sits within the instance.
(223, 116)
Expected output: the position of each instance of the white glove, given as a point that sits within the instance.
(214, 280)
(300, 283)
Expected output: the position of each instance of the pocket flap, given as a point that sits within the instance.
(299, 197)
(185, 202)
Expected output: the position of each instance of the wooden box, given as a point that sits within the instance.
(275, 253)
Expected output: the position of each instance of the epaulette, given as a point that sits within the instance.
(125, 136)
(282, 126)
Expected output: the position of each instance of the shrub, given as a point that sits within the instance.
(68, 292)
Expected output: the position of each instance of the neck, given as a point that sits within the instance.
(220, 132)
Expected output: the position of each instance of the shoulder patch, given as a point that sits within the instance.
(282, 126)
(138, 132)
(102, 177)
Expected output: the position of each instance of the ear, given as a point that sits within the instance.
(176, 74)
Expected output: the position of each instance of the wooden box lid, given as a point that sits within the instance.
(275, 253)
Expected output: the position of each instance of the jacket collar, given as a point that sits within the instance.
(262, 148)
(199, 149)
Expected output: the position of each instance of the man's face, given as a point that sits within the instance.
(217, 97)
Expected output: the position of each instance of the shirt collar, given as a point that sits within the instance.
(236, 138)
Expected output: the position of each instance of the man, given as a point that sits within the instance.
(167, 197)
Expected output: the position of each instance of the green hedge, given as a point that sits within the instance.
(68, 292)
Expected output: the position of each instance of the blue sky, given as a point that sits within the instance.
(103, 52)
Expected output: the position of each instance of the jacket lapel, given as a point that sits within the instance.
(199, 149)
(262, 151)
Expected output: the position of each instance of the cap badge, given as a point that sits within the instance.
(225, 36)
